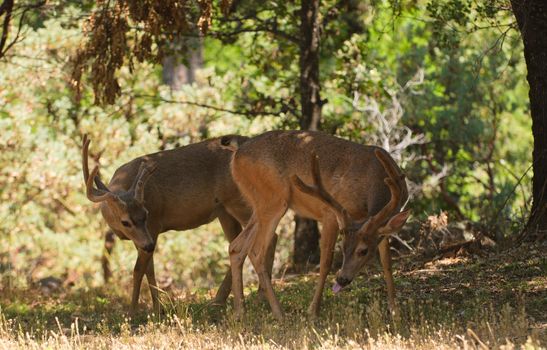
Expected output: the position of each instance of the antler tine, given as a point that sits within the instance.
(319, 192)
(145, 171)
(393, 182)
(391, 171)
(93, 194)
(85, 148)
(390, 207)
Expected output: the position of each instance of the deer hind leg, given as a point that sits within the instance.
(329, 233)
(261, 248)
(238, 250)
(385, 259)
(231, 228)
(109, 242)
(141, 266)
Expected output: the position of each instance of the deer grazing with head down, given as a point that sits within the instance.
(178, 189)
(355, 189)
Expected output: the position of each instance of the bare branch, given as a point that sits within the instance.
(7, 10)
(249, 113)
(390, 133)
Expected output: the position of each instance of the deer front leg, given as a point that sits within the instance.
(154, 292)
(224, 289)
(329, 233)
(385, 259)
(109, 242)
(141, 266)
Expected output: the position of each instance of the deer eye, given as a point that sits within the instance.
(362, 252)
(126, 223)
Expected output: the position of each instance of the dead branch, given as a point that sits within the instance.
(7, 9)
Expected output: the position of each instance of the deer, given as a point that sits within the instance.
(176, 189)
(354, 189)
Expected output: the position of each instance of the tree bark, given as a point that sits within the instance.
(178, 69)
(306, 232)
(309, 66)
(531, 18)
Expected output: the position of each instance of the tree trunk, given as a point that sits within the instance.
(309, 66)
(531, 18)
(306, 232)
(180, 69)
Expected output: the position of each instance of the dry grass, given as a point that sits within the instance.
(469, 303)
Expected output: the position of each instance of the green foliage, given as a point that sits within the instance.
(472, 99)
(471, 108)
(48, 227)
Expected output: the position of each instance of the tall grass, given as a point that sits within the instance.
(344, 324)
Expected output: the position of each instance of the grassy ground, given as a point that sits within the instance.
(493, 301)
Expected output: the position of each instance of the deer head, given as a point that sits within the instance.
(124, 211)
(360, 238)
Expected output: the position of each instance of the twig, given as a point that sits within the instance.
(477, 339)
(396, 236)
(512, 192)
(215, 108)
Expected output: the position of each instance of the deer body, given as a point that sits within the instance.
(272, 170)
(191, 186)
(188, 187)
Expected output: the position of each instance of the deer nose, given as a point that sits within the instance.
(342, 281)
(149, 247)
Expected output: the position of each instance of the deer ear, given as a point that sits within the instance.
(395, 223)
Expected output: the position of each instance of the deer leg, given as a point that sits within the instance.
(259, 257)
(239, 248)
(231, 228)
(109, 242)
(141, 266)
(270, 255)
(269, 265)
(385, 259)
(329, 233)
(154, 291)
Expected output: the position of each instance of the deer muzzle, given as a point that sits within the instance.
(341, 282)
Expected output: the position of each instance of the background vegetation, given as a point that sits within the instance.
(442, 85)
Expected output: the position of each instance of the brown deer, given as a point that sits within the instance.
(178, 189)
(356, 189)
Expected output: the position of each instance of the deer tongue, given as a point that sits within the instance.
(336, 288)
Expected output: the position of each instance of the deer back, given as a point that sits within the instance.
(351, 172)
(188, 187)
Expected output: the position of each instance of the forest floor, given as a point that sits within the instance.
(489, 300)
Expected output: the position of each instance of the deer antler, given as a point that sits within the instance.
(393, 182)
(145, 170)
(319, 192)
(101, 193)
